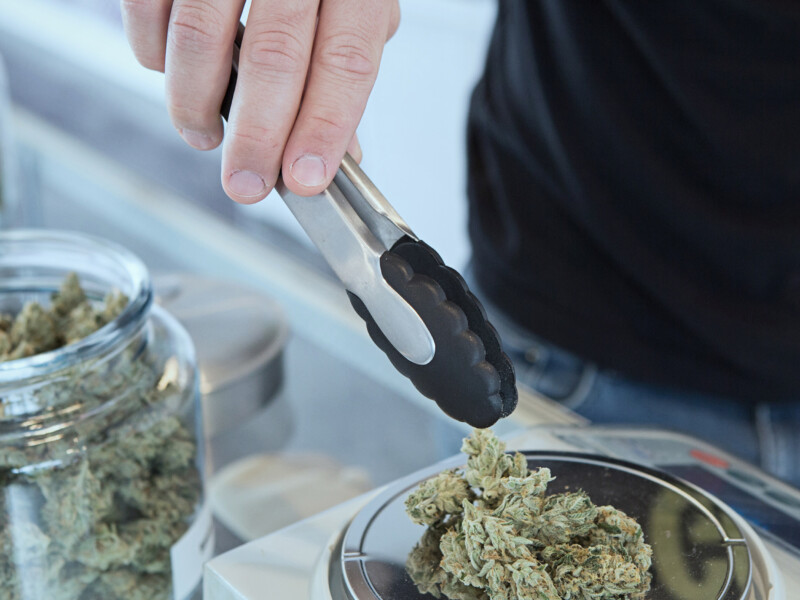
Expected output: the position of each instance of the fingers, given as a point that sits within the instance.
(318, 57)
(344, 64)
(145, 23)
(198, 64)
(272, 73)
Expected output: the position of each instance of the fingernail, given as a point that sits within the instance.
(308, 170)
(246, 184)
(197, 140)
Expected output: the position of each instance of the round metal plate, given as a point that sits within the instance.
(239, 335)
(699, 553)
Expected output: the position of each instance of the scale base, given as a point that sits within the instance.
(739, 562)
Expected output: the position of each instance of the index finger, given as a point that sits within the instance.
(344, 64)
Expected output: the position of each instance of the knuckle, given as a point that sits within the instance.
(254, 139)
(326, 128)
(276, 50)
(188, 115)
(197, 27)
(349, 56)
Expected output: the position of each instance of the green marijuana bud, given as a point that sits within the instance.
(438, 497)
(494, 534)
(71, 317)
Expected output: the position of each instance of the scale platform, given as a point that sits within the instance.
(720, 529)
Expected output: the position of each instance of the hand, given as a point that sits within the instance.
(305, 72)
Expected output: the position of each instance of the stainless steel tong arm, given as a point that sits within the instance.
(370, 204)
(352, 225)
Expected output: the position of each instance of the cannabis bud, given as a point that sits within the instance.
(493, 533)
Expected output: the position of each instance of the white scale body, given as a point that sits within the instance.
(299, 561)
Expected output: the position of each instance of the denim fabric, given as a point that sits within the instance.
(778, 428)
(765, 434)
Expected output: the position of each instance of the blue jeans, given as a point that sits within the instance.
(766, 434)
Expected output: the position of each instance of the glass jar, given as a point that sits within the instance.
(101, 491)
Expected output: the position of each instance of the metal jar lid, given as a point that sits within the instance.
(239, 335)
(699, 552)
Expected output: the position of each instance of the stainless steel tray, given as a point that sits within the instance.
(699, 550)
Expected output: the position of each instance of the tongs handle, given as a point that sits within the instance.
(371, 205)
(227, 100)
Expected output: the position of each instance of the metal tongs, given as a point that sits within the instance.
(353, 225)
(418, 311)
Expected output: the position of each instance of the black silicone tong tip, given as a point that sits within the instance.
(469, 377)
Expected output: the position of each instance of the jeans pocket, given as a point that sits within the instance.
(553, 372)
(778, 427)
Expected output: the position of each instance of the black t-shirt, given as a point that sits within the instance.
(635, 186)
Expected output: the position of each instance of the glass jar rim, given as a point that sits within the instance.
(104, 339)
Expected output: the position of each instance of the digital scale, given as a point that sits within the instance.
(720, 529)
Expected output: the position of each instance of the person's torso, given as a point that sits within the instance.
(635, 184)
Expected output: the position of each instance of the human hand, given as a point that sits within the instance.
(306, 69)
